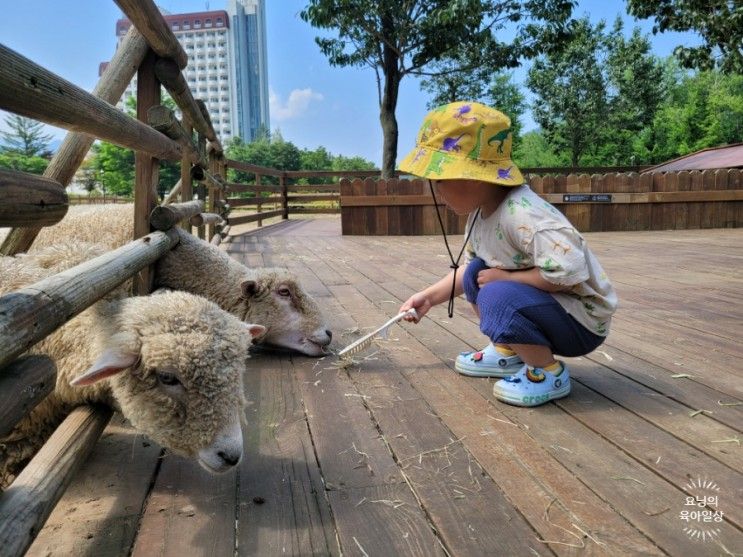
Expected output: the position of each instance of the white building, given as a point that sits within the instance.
(226, 68)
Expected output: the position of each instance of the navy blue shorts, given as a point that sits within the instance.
(516, 313)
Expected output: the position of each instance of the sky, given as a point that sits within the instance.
(312, 103)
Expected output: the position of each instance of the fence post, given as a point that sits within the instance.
(146, 168)
(186, 182)
(259, 207)
(284, 196)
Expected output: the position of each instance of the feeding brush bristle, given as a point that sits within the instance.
(364, 342)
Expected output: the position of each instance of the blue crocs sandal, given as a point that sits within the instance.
(533, 386)
(488, 362)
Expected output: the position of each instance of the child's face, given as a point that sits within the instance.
(464, 196)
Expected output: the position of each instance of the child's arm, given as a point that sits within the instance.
(532, 277)
(433, 295)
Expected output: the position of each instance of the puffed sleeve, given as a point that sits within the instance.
(560, 255)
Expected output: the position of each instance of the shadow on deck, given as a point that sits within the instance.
(400, 455)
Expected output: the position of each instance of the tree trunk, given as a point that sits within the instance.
(389, 101)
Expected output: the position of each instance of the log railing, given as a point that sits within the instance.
(29, 203)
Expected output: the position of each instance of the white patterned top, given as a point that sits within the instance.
(524, 232)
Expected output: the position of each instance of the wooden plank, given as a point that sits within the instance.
(282, 508)
(315, 188)
(100, 511)
(234, 187)
(23, 384)
(444, 392)
(249, 201)
(189, 512)
(374, 200)
(32, 91)
(26, 504)
(316, 197)
(235, 220)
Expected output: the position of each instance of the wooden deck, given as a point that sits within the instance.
(400, 455)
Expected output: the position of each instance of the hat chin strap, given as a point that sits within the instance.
(454, 264)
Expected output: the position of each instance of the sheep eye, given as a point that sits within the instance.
(284, 291)
(167, 378)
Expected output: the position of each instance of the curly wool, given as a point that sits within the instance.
(175, 332)
(196, 266)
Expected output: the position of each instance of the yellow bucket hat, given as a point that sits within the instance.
(464, 140)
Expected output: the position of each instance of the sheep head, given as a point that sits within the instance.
(292, 317)
(175, 365)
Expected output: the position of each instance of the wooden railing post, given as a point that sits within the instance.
(186, 182)
(284, 196)
(146, 168)
(258, 195)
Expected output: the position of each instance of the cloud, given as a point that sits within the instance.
(296, 105)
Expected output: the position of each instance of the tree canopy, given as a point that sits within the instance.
(597, 94)
(396, 39)
(719, 22)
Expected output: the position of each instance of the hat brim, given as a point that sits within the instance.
(442, 165)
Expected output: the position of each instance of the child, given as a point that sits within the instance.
(534, 284)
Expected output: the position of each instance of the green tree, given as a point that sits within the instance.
(534, 151)
(115, 168)
(23, 163)
(398, 38)
(597, 95)
(701, 110)
(571, 104)
(719, 22)
(114, 165)
(635, 89)
(25, 137)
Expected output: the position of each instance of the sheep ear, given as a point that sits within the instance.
(256, 331)
(248, 288)
(110, 362)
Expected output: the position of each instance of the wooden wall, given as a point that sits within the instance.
(609, 202)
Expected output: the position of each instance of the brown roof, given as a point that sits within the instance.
(727, 156)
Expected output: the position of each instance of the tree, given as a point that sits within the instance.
(26, 137)
(22, 163)
(571, 105)
(114, 165)
(701, 110)
(719, 22)
(533, 151)
(404, 38)
(597, 95)
(635, 89)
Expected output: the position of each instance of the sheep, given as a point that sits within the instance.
(171, 363)
(270, 296)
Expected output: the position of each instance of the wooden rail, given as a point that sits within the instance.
(30, 200)
(23, 384)
(32, 91)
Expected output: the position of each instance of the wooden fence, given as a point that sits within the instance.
(600, 202)
(28, 203)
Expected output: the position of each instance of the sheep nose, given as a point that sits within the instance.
(329, 333)
(230, 458)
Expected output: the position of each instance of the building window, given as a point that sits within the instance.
(207, 23)
(197, 24)
(219, 22)
(176, 27)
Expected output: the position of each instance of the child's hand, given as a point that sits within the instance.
(491, 275)
(421, 304)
